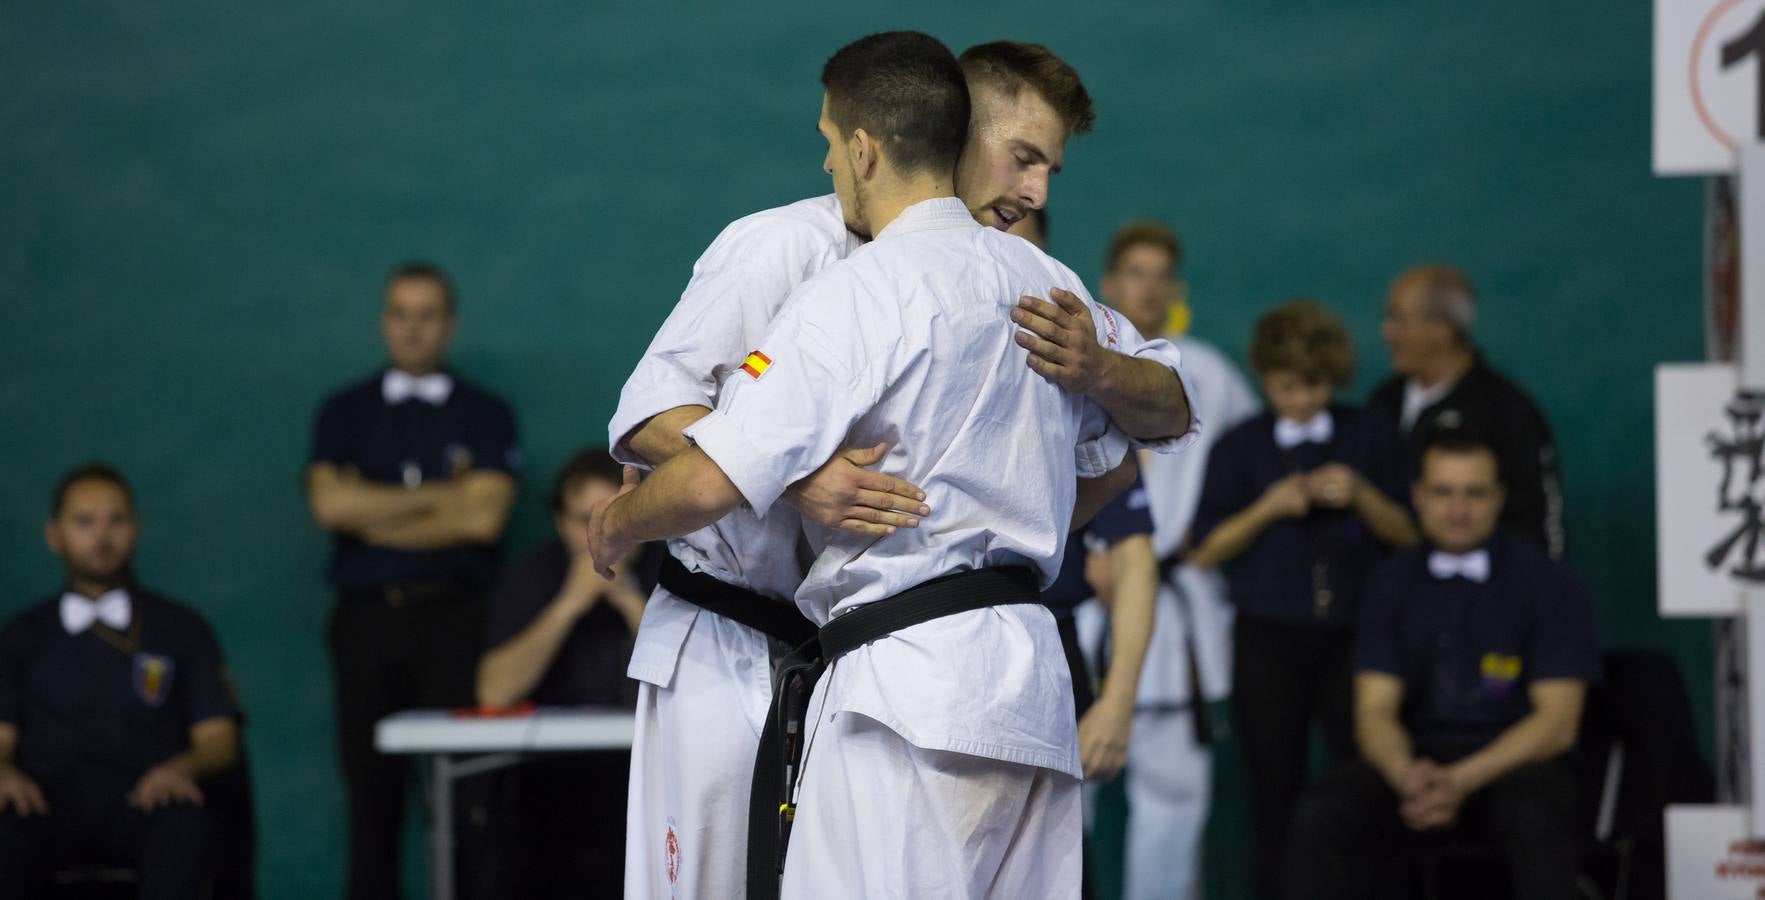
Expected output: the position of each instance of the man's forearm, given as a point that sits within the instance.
(1143, 397)
(472, 511)
(1095, 493)
(659, 438)
(511, 669)
(1131, 618)
(684, 494)
(1385, 746)
(1535, 738)
(349, 504)
(214, 748)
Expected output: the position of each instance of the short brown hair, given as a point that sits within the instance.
(1011, 66)
(906, 90)
(1302, 337)
(80, 474)
(423, 270)
(1145, 231)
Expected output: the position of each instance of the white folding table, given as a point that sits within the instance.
(460, 746)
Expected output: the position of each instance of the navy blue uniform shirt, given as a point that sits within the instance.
(1125, 516)
(408, 444)
(589, 669)
(107, 703)
(1279, 576)
(1467, 652)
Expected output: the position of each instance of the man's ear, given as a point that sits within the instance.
(862, 151)
(52, 537)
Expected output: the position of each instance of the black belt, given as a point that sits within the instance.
(771, 617)
(779, 760)
(1199, 719)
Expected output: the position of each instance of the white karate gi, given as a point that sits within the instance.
(705, 681)
(964, 780)
(1168, 775)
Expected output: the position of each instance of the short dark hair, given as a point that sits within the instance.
(586, 464)
(1302, 337)
(1458, 442)
(421, 270)
(1145, 231)
(1011, 66)
(905, 89)
(90, 471)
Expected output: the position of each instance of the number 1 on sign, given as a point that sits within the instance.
(1751, 43)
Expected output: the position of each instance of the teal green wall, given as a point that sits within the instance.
(197, 201)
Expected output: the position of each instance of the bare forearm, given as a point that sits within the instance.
(684, 494)
(8, 743)
(347, 504)
(214, 749)
(659, 438)
(1384, 745)
(509, 672)
(1388, 521)
(473, 511)
(1232, 537)
(1535, 738)
(1131, 617)
(1143, 397)
(1096, 493)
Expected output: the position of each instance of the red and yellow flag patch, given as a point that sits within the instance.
(756, 364)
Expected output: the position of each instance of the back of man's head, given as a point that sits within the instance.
(1011, 67)
(907, 92)
(1445, 296)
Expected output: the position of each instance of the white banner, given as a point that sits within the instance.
(1710, 856)
(1708, 71)
(1709, 489)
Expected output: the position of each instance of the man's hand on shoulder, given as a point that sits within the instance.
(845, 494)
(1062, 340)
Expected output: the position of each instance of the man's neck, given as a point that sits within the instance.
(889, 200)
(1447, 368)
(93, 588)
(418, 371)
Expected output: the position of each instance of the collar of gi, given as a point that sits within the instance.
(931, 215)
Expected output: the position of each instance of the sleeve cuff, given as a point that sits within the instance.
(656, 398)
(1165, 354)
(742, 462)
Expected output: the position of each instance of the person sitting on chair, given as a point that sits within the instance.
(1473, 658)
(114, 711)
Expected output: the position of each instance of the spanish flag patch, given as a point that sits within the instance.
(756, 364)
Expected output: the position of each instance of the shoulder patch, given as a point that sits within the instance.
(756, 364)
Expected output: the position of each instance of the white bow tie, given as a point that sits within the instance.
(434, 388)
(1319, 430)
(1473, 566)
(78, 612)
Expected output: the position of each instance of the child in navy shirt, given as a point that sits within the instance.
(1297, 506)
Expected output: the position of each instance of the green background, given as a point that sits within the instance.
(197, 202)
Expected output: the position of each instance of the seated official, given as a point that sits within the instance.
(561, 635)
(1473, 658)
(114, 711)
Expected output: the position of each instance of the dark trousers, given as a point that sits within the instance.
(89, 824)
(392, 650)
(1349, 842)
(1284, 679)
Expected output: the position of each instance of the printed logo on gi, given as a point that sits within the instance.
(153, 678)
(673, 850)
(1112, 331)
(1499, 674)
(756, 364)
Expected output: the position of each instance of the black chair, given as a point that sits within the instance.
(1636, 753)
